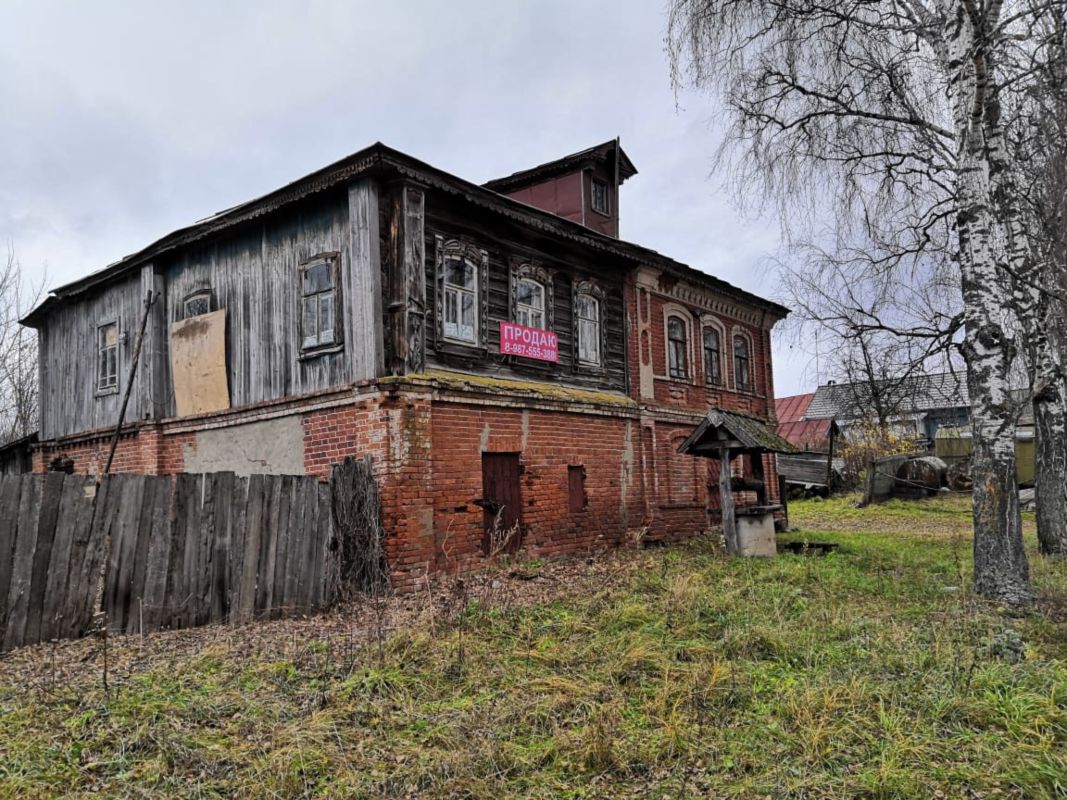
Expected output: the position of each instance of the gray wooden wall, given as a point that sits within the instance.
(253, 272)
(69, 398)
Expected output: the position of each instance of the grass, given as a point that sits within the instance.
(666, 673)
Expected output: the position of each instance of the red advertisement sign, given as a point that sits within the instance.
(518, 340)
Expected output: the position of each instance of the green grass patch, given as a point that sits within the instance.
(870, 672)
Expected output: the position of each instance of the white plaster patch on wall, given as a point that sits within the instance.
(269, 447)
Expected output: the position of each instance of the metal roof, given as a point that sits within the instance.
(916, 393)
(724, 425)
(591, 155)
(382, 160)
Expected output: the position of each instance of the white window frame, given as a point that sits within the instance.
(588, 290)
(109, 383)
(458, 292)
(529, 309)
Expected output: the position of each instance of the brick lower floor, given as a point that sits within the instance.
(589, 473)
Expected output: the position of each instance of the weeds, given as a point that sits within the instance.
(869, 672)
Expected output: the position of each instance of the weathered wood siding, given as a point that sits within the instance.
(69, 399)
(567, 263)
(255, 275)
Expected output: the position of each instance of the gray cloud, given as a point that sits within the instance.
(124, 120)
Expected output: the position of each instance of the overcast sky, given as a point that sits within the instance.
(121, 121)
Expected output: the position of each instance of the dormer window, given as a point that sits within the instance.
(601, 200)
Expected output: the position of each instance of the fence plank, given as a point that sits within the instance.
(239, 521)
(157, 559)
(295, 547)
(22, 566)
(257, 502)
(309, 533)
(153, 486)
(204, 536)
(323, 566)
(10, 492)
(223, 540)
(51, 495)
(187, 505)
(55, 597)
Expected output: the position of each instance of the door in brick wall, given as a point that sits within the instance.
(502, 503)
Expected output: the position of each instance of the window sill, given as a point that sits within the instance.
(106, 392)
(308, 355)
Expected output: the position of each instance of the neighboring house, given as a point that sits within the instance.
(812, 435)
(498, 351)
(916, 406)
(815, 467)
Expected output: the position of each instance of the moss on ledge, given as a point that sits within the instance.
(461, 381)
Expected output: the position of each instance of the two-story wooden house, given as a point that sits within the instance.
(508, 362)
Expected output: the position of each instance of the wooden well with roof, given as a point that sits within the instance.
(724, 435)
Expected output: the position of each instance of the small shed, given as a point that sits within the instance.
(16, 456)
(724, 434)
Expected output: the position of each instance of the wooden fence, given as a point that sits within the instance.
(184, 551)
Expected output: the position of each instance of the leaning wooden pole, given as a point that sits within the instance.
(98, 603)
(150, 298)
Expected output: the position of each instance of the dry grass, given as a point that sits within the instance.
(663, 673)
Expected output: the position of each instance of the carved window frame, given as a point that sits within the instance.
(531, 270)
(445, 249)
(735, 334)
(672, 309)
(333, 259)
(591, 289)
(710, 323)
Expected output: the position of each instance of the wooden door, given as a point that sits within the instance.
(501, 502)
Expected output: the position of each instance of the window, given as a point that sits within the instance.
(196, 304)
(461, 300)
(742, 379)
(587, 313)
(319, 304)
(107, 359)
(576, 497)
(600, 197)
(678, 362)
(530, 303)
(712, 357)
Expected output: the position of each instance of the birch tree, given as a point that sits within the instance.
(18, 353)
(893, 109)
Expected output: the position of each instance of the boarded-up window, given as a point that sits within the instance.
(107, 358)
(577, 500)
(319, 306)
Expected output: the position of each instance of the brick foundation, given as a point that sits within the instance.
(427, 445)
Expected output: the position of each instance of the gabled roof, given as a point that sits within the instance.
(592, 156)
(380, 160)
(723, 425)
(910, 395)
